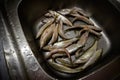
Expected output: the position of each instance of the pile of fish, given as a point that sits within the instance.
(65, 52)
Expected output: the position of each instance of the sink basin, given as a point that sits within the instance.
(25, 55)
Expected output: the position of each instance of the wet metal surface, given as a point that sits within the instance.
(21, 61)
(3, 69)
(22, 53)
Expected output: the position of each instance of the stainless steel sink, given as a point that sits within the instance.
(23, 58)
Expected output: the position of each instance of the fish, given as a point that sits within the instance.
(71, 49)
(60, 44)
(46, 35)
(74, 10)
(93, 58)
(63, 68)
(63, 62)
(66, 67)
(65, 20)
(86, 56)
(55, 35)
(65, 43)
(75, 28)
(91, 29)
(74, 47)
(39, 33)
(66, 63)
(81, 42)
(95, 33)
(60, 17)
(80, 32)
(80, 11)
(60, 51)
(78, 53)
(91, 55)
(82, 18)
(60, 31)
(83, 38)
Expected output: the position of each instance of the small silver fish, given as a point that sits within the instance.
(79, 17)
(63, 68)
(81, 42)
(78, 53)
(60, 44)
(60, 17)
(86, 56)
(93, 58)
(60, 31)
(39, 33)
(60, 51)
(74, 10)
(64, 20)
(65, 62)
(47, 34)
(91, 29)
(83, 39)
(55, 35)
(80, 11)
(65, 43)
(71, 49)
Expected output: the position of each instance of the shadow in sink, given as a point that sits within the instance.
(102, 14)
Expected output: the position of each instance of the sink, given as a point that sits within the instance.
(22, 51)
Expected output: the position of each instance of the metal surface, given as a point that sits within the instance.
(21, 62)
(21, 52)
(116, 3)
(110, 71)
(3, 68)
